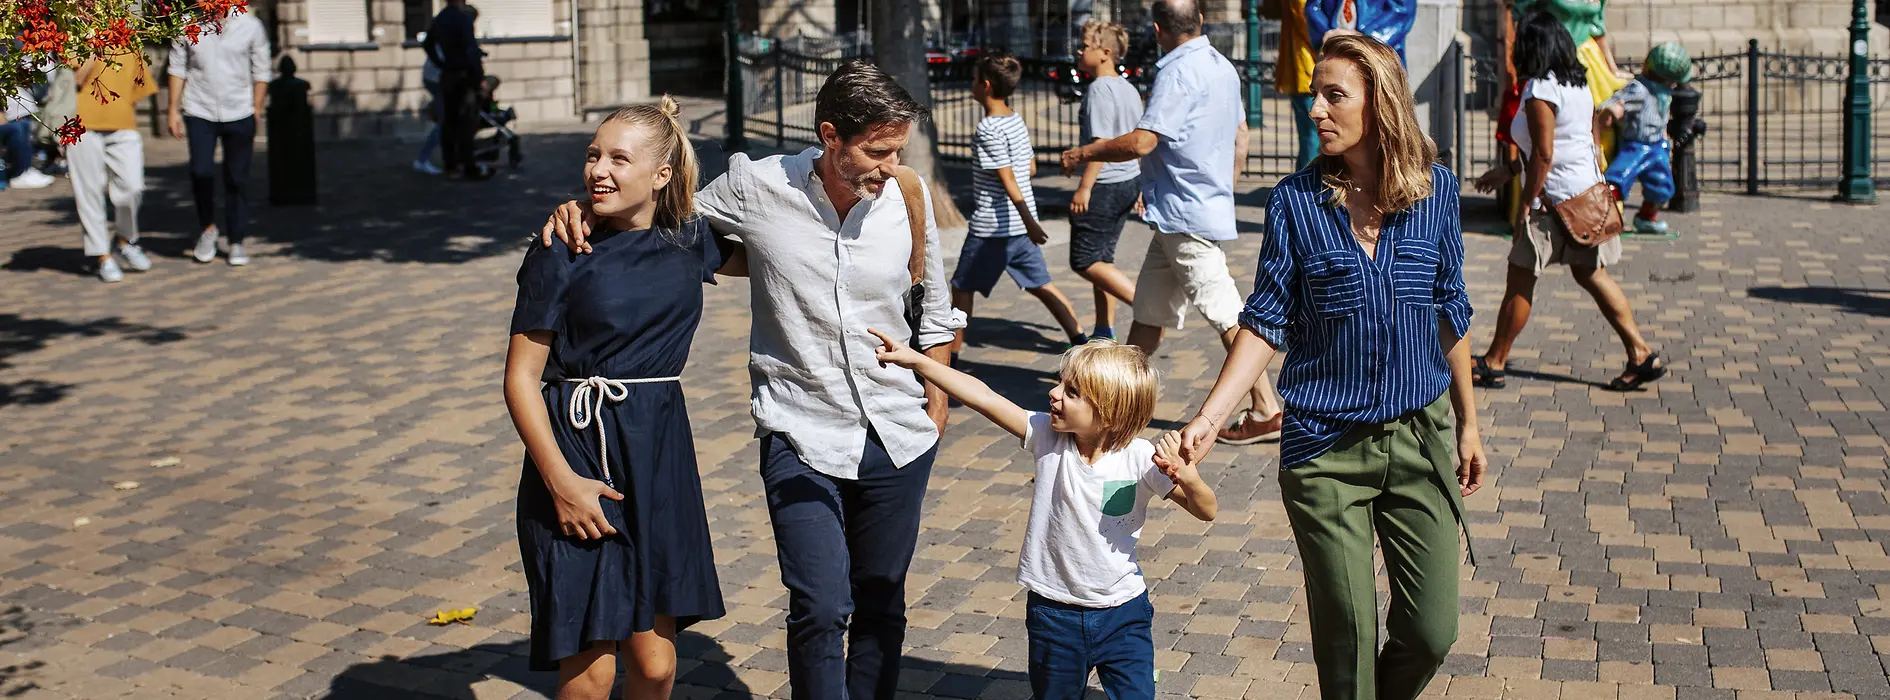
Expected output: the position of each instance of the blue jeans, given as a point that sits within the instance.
(17, 137)
(1304, 127)
(1650, 164)
(1066, 641)
(844, 546)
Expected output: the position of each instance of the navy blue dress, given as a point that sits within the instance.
(628, 310)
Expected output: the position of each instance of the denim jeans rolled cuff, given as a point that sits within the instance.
(1068, 641)
(844, 546)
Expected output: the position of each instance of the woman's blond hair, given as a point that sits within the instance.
(663, 133)
(1405, 177)
(1119, 382)
(1107, 35)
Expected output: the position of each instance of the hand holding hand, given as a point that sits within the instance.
(579, 513)
(1471, 463)
(1197, 439)
(1168, 458)
(1073, 159)
(893, 352)
(572, 224)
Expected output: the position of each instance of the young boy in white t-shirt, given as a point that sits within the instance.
(1089, 606)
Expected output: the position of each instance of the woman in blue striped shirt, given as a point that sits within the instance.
(1361, 281)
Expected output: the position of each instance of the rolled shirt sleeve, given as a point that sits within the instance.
(180, 59)
(1271, 307)
(721, 202)
(939, 323)
(259, 60)
(1449, 295)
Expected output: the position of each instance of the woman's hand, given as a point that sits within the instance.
(1197, 439)
(572, 224)
(1168, 458)
(893, 352)
(580, 515)
(1471, 463)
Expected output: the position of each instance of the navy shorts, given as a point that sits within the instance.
(983, 260)
(1093, 233)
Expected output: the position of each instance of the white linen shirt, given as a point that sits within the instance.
(221, 70)
(817, 283)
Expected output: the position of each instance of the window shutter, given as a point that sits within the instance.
(514, 17)
(337, 21)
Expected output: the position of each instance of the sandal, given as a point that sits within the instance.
(1483, 376)
(1643, 373)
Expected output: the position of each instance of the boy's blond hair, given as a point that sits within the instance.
(1107, 35)
(1118, 380)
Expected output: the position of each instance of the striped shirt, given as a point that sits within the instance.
(1000, 142)
(1360, 334)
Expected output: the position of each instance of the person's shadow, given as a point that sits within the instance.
(701, 663)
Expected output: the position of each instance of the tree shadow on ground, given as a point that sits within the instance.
(16, 625)
(1869, 302)
(19, 335)
(986, 332)
(1023, 386)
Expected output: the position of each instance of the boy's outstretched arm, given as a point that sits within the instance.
(964, 387)
(1191, 493)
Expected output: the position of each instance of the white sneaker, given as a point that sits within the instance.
(108, 270)
(206, 249)
(134, 257)
(238, 256)
(32, 179)
(426, 167)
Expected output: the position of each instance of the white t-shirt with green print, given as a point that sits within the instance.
(1085, 519)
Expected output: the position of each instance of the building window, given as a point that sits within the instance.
(416, 15)
(338, 22)
(503, 18)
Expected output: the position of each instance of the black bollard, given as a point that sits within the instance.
(291, 139)
(1684, 128)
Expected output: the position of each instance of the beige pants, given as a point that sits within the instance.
(107, 166)
(1546, 243)
(1183, 270)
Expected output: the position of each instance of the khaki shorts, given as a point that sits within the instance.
(1183, 270)
(1546, 243)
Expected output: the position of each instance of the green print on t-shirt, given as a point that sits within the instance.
(1118, 497)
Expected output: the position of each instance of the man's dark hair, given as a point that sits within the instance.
(1543, 46)
(1178, 16)
(1002, 70)
(859, 95)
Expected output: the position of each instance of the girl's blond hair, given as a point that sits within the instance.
(1405, 177)
(663, 132)
(1119, 382)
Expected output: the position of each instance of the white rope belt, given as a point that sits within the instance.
(587, 400)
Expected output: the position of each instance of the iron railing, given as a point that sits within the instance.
(1775, 121)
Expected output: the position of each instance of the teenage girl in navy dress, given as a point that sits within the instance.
(611, 525)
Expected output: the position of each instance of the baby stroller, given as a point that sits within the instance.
(502, 140)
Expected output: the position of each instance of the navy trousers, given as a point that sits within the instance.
(239, 144)
(844, 546)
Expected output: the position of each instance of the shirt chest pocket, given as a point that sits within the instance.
(1336, 282)
(1414, 272)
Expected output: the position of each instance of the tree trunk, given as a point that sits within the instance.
(899, 49)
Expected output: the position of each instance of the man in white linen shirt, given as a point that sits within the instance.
(847, 444)
(218, 84)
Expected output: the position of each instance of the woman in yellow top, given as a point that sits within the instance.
(107, 162)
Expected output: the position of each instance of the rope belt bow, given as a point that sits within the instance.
(587, 401)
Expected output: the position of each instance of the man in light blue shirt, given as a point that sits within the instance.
(1192, 140)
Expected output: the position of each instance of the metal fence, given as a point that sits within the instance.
(1775, 121)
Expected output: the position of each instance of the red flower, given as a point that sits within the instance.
(70, 131)
(116, 36)
(191, 33)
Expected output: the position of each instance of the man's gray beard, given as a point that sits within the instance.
(868, 194)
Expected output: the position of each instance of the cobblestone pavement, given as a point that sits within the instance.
(322, 462)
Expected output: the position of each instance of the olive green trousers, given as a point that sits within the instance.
(1396, 480)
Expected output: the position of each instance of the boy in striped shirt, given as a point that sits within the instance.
(1004, 232)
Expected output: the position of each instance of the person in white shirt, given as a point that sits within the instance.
(218, 84)
(1088, 607)
(847, 443)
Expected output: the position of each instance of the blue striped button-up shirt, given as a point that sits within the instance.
(1360, 333)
